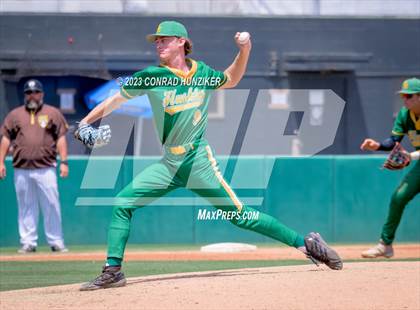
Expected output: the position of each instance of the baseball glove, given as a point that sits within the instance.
(397, 159)
(93, 137)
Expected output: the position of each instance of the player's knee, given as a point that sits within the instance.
(400, 198)
(122, 213)
(239, 220)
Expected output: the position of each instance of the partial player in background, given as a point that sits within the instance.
(406, 123)
(36, 132)
(180, 114)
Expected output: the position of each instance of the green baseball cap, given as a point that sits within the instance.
(410, 86)
(168, 28)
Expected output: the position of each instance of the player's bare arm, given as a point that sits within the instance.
(4, 146)
(62, 150)
(386, 145)
(370, 145)
(104, 108)
(97, 137)
(415, 155)
(236, 70)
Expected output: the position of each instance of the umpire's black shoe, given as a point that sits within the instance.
(58, 249)
(26, 248)
(111, 276)
(318, 251)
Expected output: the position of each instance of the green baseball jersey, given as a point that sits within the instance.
(408, 124)
(179, 99)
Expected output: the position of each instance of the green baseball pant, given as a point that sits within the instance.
(406, 191)
(197, 170)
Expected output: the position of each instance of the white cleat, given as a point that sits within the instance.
(379, 250)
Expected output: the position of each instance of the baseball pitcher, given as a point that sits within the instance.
(179, 91)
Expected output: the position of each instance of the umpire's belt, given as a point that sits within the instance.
(179, 149)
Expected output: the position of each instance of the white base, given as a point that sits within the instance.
(228, 247)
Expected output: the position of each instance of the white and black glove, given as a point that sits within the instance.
(93, 137)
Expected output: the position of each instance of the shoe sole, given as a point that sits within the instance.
(120, 283)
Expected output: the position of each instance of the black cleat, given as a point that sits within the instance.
(318, 251)
(27, 249)
(111, 276)
(58, 249)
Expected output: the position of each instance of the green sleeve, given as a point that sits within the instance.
(400, 124)
(222, 76)
(217, 75)
(132, 86)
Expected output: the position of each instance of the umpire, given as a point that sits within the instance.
(36, 131)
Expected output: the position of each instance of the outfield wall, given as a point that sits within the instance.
(343, 197)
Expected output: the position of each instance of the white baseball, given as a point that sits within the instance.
(243, 37)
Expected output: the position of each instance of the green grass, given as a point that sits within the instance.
(20, 275)
(130, 247)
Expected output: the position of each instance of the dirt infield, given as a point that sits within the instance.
(281, 253)
(363, 285)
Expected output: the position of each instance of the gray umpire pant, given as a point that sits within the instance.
(38, 188)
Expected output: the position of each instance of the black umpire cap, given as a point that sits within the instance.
(33, 85)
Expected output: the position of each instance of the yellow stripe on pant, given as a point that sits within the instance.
(228, 189)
